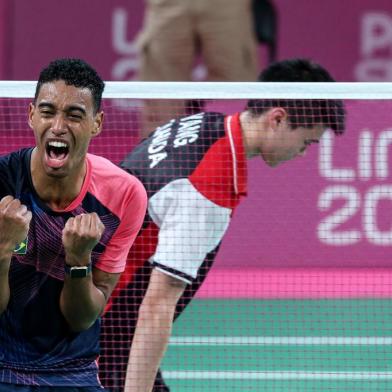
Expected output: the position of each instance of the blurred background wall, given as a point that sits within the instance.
(351, 38)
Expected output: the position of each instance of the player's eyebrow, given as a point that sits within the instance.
(71, 108)
(48, 105)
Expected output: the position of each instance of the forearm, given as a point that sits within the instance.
(148, 346)
(5, 262)
(81, 302)
(14, 227)
(152, 331)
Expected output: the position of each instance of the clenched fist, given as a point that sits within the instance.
(14, 223)
(80, 234)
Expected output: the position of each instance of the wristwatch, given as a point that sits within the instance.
(77, 271)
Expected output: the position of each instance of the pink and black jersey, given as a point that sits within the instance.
(194, 171)
(36, 345)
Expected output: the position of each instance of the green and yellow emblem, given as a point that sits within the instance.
(21, 249)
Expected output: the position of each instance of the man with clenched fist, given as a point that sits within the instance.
(64, 237)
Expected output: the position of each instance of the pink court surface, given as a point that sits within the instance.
(314, 283)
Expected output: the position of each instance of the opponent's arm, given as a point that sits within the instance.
(83, 299)
(153, 330)
(14, 226)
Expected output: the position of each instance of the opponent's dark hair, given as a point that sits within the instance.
(301, 112)
(74, 72)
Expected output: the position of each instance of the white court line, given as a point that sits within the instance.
(279, 340)
(278, 375)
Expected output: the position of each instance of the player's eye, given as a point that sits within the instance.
(75, 116)
(46, 113)
(309, 142)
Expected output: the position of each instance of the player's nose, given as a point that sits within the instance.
(58, 125)
(302, 152)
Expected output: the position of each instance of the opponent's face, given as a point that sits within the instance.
(63, 121)
(288, 143)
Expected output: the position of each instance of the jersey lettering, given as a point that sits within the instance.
(158, 143)
(188, 130)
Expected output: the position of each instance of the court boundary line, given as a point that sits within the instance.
(280, 340)
(277, 375)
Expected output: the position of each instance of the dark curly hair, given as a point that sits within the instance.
(74, 72)
(301, 112)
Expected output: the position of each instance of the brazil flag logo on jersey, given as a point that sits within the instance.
(21, 249)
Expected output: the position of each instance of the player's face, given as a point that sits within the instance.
(290, 143)
(63, 121)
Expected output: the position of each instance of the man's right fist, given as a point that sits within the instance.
(14, 223)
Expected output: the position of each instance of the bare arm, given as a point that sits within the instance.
(5, 261)
(14, 226)
(82, 300)
(153, 330)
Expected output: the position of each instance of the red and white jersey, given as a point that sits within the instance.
(194, 171)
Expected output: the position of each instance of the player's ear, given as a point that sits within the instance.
(98, 122)
(276, 117)
(30, 115)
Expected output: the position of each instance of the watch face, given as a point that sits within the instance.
(78, 272)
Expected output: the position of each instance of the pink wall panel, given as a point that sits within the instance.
(352, 38)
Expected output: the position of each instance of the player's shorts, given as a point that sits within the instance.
(174, 30)
(5, 387)
(159, 384)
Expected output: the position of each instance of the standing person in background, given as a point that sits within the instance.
(194, 184)
(175, 32)
(64, 237)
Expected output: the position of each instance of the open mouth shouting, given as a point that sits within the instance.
(57, 153)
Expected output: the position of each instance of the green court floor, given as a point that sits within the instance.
(282, 345)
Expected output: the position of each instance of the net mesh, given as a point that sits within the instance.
(298, 298)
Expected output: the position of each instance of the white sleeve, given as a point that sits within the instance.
(190, 225)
